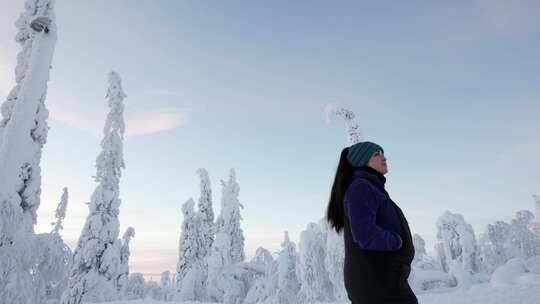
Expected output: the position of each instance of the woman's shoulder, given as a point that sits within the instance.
(360, 185)
(361, 182)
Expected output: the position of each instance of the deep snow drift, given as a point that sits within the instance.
(516, 282)
(478, 294)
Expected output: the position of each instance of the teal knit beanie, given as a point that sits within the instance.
(360, 153)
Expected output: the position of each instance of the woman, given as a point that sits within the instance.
(378, 242)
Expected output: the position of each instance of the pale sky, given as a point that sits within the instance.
(448, 88)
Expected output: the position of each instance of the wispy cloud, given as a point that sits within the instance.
(89, 122)
(89, 119)
(156, 120)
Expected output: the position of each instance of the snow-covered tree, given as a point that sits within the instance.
(152, 290)
(495, 247)
(265, 281)
(316, 285)
(228, 245)
(51, 258)
(206, 213)
(233, 282)
(353, 131)
(166, 286)
(60, 212)
(419, 247)
(50, 268)
(206, 227)
(123, 271)
(23, 132)
(59, 254)
(421, 259)
(288, 284)
(188, 276)
(523, 239)
(25, 37)
(459, 249)
(135, 287)
(262, 257)
(96, 260)
(229, 219)
(535, 225)
(192, 284)
(24, 124)
(334, 261)
(165, 280)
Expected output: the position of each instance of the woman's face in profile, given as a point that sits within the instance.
(378, 162)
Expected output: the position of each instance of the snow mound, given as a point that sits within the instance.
(425, 279)
(514, 272)
(484, 293)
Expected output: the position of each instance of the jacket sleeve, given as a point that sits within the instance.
(361, 208)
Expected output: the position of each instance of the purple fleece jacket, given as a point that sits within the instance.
(374, 221)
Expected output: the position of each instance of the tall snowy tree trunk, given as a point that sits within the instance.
(334, 261)
(206, 227)
(123, 273)
(228, 246)
(20, 150)
(23, 132)
(188, 248)
(316, 285)
(97, 257)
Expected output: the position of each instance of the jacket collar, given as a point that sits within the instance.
(370, 174)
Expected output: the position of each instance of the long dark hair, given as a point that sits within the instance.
(335, 211)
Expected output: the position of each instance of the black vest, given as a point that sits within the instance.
(378, 277)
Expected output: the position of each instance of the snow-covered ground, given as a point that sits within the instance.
(484, 293)
(527, 293)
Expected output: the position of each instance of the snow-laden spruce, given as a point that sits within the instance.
(351, 126)
(280, 284)
(228, 246)
(334, 262)
(265, 281)
(188, 270)
(135, 287)
(503, 241)
(495, 247)
(24, 123)
(60, 212)
(205, 212)
(52, 257)
(23, 132)
(96, 260)
(426, 272)
(421, 258)
(316, 285)
(167, 292)
(152, 290)
(206, 227)
(457, 249)
(523, 236)
(288, 282)
(536, 199)
(123, 271)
